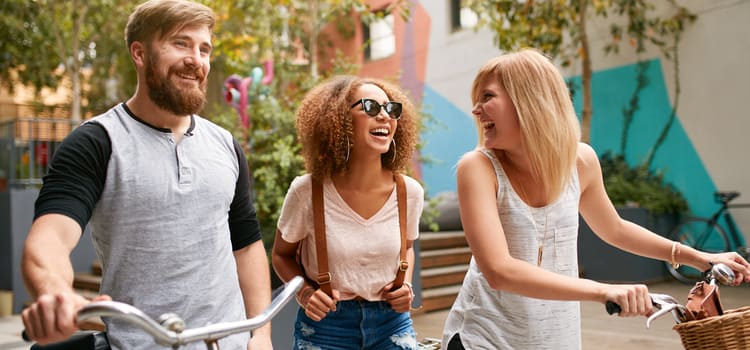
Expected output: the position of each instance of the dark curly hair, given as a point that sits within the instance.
(323, 123)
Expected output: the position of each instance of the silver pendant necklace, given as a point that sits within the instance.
(540, 243)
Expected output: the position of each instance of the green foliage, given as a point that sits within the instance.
(27, 53)
(251, 32)
(273, 156)
(554, 26)
(430, 214)
(639, 186)
(46, 41)
(520, 23)
(42, 34)
(558, 28)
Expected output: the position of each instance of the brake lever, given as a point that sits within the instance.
(663, 303)
(663, 309)
(666, 303)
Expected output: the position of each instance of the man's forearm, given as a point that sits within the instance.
(46, 265)
(43, 277)
(255, 281)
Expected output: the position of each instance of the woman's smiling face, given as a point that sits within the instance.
(497, 116)
(371, 133)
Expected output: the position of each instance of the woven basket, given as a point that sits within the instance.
(729, 331)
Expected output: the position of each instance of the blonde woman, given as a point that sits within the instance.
(520, 193)
(356, 135)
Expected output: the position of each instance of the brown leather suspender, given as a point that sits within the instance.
(321, 247)
(401, 198)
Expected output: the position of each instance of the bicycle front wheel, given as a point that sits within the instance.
(702, 235)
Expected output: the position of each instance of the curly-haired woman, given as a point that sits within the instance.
(357, 135)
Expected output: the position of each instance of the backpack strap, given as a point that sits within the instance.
(403, 264)
(321, 245)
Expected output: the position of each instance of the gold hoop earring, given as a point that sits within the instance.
(348, 146)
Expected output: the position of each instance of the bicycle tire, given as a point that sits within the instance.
(691, 233)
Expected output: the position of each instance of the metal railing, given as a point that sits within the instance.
(26, 149)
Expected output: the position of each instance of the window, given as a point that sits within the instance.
(462, 17)
(380, 41)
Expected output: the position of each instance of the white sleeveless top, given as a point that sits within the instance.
(494, 319)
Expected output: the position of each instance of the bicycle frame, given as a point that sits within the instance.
(709, 234)
(713, 220)
(731, 225)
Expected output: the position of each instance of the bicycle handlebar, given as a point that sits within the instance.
(718, 273)
(212, 332)
(613, 308)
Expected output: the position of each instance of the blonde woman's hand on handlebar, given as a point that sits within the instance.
(632, 299)
(734, 261)
(52, 317)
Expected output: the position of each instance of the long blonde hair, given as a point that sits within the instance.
(549, 127)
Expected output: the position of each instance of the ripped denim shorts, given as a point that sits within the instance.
(356, 325)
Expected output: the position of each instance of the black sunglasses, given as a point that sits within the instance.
(372, 108)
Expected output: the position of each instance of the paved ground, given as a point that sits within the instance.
(600, 331)
(10, 334)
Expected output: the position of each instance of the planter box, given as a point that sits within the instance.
(599, 261)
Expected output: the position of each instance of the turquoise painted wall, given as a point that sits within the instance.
(445, 141)
(676, 158)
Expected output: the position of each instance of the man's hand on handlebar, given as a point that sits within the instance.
(52, 317)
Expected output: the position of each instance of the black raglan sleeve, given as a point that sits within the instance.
(243, 222)
(76, 175)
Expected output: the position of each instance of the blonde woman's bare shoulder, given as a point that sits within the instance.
(586, 156)
(473, 159)
(475, 165)
(587, 162)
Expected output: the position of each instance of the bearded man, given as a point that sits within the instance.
(165, 192)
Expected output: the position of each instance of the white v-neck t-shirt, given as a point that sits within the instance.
(363, 254)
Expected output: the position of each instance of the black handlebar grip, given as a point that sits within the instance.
(613, 308)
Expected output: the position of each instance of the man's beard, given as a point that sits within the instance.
(165, 94)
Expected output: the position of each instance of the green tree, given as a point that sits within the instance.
(26, 57)
(81, 34)
(559, 28)
(47, 41)
(253, 31)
